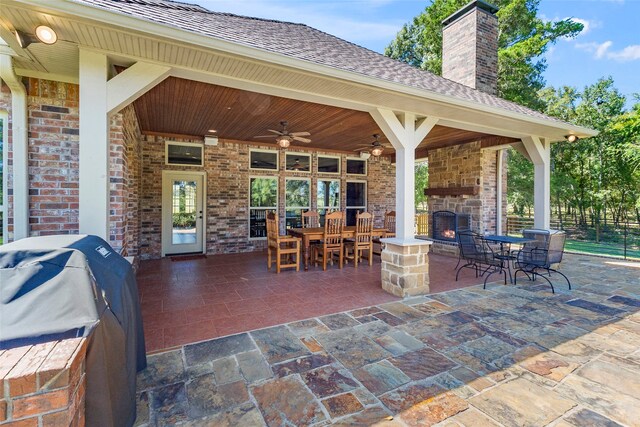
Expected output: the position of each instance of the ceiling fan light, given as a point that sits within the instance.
(283, 141)
(377, 151)
(46, 34)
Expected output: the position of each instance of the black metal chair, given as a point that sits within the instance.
(541, 255)
(479, 255)
(469, 251)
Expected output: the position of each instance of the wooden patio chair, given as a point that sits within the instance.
(332, 241)
(389, 226)
(362, 241)
(281, 245)
(310, 219)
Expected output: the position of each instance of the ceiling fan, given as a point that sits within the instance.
(285, 137)
(375, 148)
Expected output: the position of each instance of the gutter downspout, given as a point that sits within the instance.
(19, 147)
(499, 165)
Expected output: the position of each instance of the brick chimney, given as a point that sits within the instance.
(470, 47)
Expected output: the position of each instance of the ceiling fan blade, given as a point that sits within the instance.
(299, 134)
(362, 149)
(305, 140)
(265, 136)
(276, 131)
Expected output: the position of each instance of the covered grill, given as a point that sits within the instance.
(58, 287)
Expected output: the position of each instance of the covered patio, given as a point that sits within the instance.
(197, 298)
(504, 356)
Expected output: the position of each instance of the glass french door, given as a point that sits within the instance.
(182, 212)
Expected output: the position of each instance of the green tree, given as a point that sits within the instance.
(523, 39)
(422, 182)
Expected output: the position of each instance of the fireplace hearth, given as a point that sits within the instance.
(447, 224)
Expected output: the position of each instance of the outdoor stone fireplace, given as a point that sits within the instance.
(447, 224)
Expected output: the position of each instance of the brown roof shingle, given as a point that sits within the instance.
(305, 43)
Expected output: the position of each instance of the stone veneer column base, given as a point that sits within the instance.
(405, 267)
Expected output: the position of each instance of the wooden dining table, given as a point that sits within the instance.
(316, 233)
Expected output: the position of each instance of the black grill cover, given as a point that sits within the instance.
(58, 287)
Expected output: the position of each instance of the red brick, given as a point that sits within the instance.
(29, 422)
(56, 419)
(55, 371)
(22, 378)
(3, 410)
(40, 403)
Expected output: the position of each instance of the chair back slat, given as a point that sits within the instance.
(390, 223)
(272, 229)
(310, 219)
(333, 228)
(364, 228)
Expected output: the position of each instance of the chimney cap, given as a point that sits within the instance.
(469, 6)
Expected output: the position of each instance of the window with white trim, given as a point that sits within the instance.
(263, 160)
(356, 167)
(297, 199)
(263, 197)
(298, 162)
(328, 196)
(183, 153)
(329, 164)
(356, 200)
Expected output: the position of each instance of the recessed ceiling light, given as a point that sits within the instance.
(46, 34)
(212, 131)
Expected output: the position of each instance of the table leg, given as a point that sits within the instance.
(305, 250)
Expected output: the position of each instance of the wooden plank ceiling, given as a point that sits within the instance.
(185, 107)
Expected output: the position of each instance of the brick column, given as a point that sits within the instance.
(43, 385)
(405, 267)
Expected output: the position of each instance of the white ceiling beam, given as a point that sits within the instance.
(132, 83)
(423, 127)
(535, 148)
(519, 147)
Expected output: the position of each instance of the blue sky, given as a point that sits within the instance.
(609, 45)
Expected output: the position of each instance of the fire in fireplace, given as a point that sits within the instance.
(447, 224)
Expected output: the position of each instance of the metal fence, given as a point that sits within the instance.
(622, 240)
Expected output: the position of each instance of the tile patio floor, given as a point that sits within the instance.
(198, 299)
(470, 357)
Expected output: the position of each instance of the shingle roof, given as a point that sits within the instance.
(305, 43)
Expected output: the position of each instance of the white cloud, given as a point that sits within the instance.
(602, 51)
(588, 25)
(629, 53)
(328, 16)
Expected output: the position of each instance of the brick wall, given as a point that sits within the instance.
(470, 50)
(43, 385)
(125, 181)
(227, 200)
(467, 165)
(53, 156)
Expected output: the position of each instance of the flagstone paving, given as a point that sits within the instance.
(504, 356)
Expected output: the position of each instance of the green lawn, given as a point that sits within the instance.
(606, 249)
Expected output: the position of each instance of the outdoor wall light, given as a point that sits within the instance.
(283, 141)
(43, 34)
(571, 138)
(24, 40)
(46, 34)
(364, 155)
